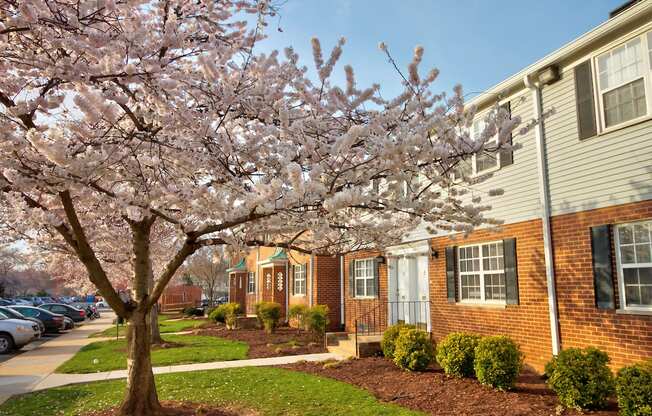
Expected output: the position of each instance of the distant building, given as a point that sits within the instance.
(179, 297)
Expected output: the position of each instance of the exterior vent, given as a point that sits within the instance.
(618, 10)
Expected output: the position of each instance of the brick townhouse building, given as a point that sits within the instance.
(288, 278)
(572, 264)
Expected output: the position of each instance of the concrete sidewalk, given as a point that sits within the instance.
(24, 371)
(57, 380)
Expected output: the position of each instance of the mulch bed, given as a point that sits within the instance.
(437, 394)
(184, 409)
(284, 340)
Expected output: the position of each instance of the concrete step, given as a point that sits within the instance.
(333, 338)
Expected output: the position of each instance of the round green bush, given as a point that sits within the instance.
(388, 342)
(634, 389)
(268, 313)
(497, 362)
(225, 313)
(581, 378)
(414, 350)
(316, 319)
(192, 311)
(456, 352)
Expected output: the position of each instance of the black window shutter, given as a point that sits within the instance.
(511, 271)
(376, 278)
(584, 101)
(292, 271)
(602, 271)
(352, 278)
(507, 156)
(450, 274)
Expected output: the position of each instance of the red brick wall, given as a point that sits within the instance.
(527, 323)
(362, 308)
(625, 337)
(178, 297)
(326, 290)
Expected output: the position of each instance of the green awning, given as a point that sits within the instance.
(241, 266)
(279, 256)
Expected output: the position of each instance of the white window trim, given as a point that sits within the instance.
(481, 272)
(356, 278)
(647, 84)
(301, 279)
(621, 276)
(251, 281)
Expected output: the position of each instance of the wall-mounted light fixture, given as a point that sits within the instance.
(381, 259)
(434, 253)
(549, 75)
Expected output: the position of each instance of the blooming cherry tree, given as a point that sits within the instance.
(121, 121)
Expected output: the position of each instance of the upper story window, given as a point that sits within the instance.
(624, 79)
(482, 273)
(634, 258)
(251, 282)
(300, 279)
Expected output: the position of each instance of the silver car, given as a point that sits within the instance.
(15, 333)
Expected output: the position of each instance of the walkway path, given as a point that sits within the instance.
(56, 380)
(21, 373)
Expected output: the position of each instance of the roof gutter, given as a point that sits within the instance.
(544, 198)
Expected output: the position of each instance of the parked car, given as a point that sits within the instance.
(76, 314)
(20, 301)
(102, 304)
(53, 322)
(15, 333)
(17, 315)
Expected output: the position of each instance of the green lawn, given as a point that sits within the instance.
(269, 391)
(195, 349)
(165, 327)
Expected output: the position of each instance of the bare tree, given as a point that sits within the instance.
(207, 269)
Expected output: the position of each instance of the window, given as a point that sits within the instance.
(624, 75)
(482, 273)
(365, 278)
(251, 282)
(484, 161)
(634, 257)
(300, 279)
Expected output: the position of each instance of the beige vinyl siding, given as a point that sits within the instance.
(608, 169)
(520, 201)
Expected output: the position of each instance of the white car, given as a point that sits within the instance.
(15, 333)
(102, 304)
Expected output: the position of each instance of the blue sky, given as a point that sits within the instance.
(477, 43)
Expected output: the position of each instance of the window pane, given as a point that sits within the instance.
(646, 295)
(645, 275)
(641, 233)
(370, 287)
(627, 254)
(359, 288)
(649, 45)
(633, 295)
(643, 253)
(625, 103)
(485, 161)
(631, 276)
(620, 65)
(625, 235)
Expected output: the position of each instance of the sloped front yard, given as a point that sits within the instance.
(434, 393)
(179, 349)
(239, 391)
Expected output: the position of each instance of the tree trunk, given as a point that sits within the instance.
(153, 314)
(156, 332)
(141, 398)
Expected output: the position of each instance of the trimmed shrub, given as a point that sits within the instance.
(456, 352)
(581, 378)
(316, 319)
(269, 313)
(413, 350)
(634, 389)
(226, 313)
(388, 343)
(498, 361)
(298, 313)
(192, 311)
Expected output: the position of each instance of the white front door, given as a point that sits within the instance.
(408, 289)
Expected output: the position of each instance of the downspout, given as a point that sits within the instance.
(287, 291)
(544, 198)
(257, 277)
(342, 322)
(312, 279)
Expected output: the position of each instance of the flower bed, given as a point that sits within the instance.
(284, 340)
(435, 393)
